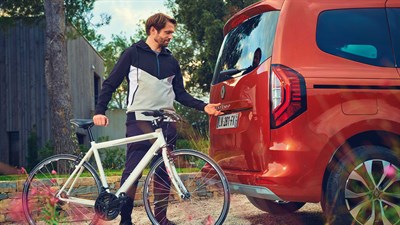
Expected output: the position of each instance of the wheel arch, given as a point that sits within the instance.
(389, 140)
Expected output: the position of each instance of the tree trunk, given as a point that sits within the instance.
(57, 80)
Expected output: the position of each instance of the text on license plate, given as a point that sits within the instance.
(228, 121)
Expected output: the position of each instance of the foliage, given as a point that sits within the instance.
(78, 13)
(193, 117)
(111, 53)
(184, 50)
(36, 154)
(198, 144)
(46, 151)
(190, 138)
(113, 157)
(33, 148)
(204, 21)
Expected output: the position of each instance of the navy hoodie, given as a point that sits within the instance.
(154, 81)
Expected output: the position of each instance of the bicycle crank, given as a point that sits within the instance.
(108, 206)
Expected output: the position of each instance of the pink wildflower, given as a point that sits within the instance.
(209, 220)
(53, 172)
(53, 201)
(16, 211)
(33, 191)
(23, 170)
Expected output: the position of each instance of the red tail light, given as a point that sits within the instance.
(288, 95)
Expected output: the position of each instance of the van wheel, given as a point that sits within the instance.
(364, 188)
(275, 207)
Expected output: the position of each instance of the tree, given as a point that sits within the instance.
(77, 12)
(204, 21)
(57, 81)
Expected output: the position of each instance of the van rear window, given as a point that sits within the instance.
(360, 35)
(246, 46)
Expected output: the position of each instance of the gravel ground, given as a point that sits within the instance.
(242, 212)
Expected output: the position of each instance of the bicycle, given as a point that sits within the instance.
(55, 190)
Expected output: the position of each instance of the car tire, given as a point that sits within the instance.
(364, 188)
(275, 207)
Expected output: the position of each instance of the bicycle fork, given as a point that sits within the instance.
(173, 175)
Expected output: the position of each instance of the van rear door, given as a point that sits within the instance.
(240, 137)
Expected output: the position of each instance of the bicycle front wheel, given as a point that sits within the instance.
(208, 200)
(40, 204)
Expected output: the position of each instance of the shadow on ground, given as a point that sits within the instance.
(299, 218)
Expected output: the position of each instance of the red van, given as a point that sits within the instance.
(311, 95)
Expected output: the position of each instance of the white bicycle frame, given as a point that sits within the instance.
(158, 144)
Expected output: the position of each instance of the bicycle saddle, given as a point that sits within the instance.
(82, 123)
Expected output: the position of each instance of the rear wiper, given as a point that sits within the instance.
(230, 72)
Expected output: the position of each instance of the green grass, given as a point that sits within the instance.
(108, 172)
(12, 177)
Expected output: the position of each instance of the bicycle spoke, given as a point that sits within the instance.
(205, 186)
(44, 183)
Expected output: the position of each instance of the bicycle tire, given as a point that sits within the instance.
(205, 181)
(44, 181)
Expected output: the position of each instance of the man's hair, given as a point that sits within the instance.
(158, 21)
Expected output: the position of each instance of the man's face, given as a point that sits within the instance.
(164, 36)
(257, 58)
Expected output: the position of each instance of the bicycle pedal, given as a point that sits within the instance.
(123, 199)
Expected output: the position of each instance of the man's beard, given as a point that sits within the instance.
(162, 42)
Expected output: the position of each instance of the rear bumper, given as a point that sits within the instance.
(284, 188)
(253, 191)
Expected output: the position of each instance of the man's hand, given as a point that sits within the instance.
(100, 120)
(211, 109)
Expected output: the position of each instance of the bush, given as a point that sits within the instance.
(192, 139)
(112, 158)
(33, 149)
(46, 151)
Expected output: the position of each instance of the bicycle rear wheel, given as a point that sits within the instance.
(204, 180)
(45, 181)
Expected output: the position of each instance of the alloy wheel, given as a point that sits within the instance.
(372, 193)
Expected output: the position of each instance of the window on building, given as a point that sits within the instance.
(96, 87)
(13, 146)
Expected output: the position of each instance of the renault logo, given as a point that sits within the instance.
(223, 91)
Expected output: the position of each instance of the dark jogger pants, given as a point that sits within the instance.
(135, 153)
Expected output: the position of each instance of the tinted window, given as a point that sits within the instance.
(246, 46)
(360, 35)
(394, 22)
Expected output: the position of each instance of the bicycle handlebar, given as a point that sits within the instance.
(164, 113)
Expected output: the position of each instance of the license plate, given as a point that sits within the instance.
(228, 121)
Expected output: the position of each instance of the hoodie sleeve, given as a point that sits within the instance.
(120, 70)
(182, 96)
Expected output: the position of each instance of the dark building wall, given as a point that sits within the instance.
(24, 106)
(84, 66)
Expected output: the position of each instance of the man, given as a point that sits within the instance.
(256, 61)
(155, 81)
